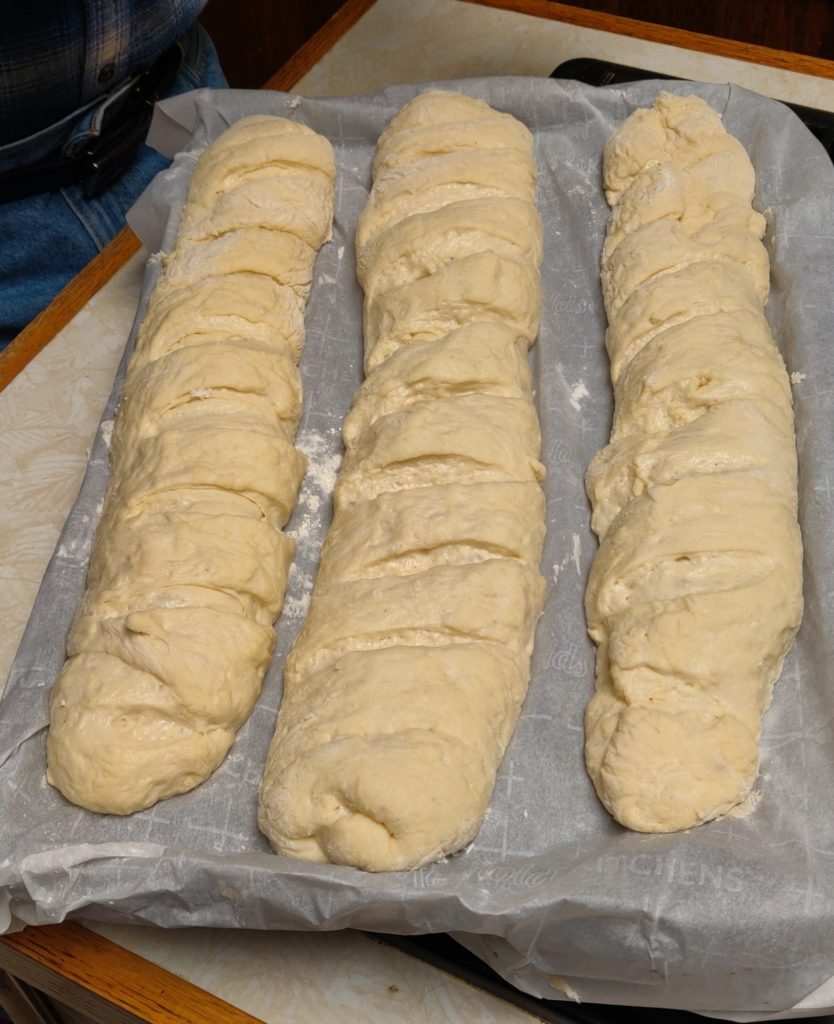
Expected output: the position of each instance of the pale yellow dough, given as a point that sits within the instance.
(696, 592)
(173, 635)
(404, 686)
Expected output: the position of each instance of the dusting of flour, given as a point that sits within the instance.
(307, 525)
(322, 462)
(299, 592)
(577, 393)
(576, 556)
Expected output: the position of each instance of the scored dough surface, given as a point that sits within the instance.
(695, 594)
(404, 686)
(174, 633)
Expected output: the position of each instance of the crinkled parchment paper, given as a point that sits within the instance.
(734, 916)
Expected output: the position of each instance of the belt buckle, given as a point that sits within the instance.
(102, 162)
(106, 158)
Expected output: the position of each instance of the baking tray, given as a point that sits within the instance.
(736, 916)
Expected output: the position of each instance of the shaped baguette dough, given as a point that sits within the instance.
(173, 635)
(696, 592)
(403, 688)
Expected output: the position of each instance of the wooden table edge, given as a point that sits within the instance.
(105, 981)
(716, 46)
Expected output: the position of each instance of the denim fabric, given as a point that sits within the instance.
(46, 239)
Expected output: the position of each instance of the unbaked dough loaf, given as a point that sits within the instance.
(696, 592)
(173, 635)
(404, 686)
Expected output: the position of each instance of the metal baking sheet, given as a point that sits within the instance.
(737, 915)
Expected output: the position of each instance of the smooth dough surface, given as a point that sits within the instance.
(173, 635)
(695, 594)
(404, 685)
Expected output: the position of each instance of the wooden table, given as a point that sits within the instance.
(84, 971)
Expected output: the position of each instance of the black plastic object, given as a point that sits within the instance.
(601, 72)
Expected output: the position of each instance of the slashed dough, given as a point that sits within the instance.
(173, 635)
(696, 592)
(404, 686)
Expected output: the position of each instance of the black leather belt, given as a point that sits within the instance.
(107, 155)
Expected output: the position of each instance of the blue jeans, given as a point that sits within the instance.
(46, 239)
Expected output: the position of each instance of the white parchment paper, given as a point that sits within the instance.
(734, 916)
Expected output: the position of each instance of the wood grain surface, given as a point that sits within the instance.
(314, 49)
(106, 983)
(801, 26)
(619, 25)
(254, 37)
